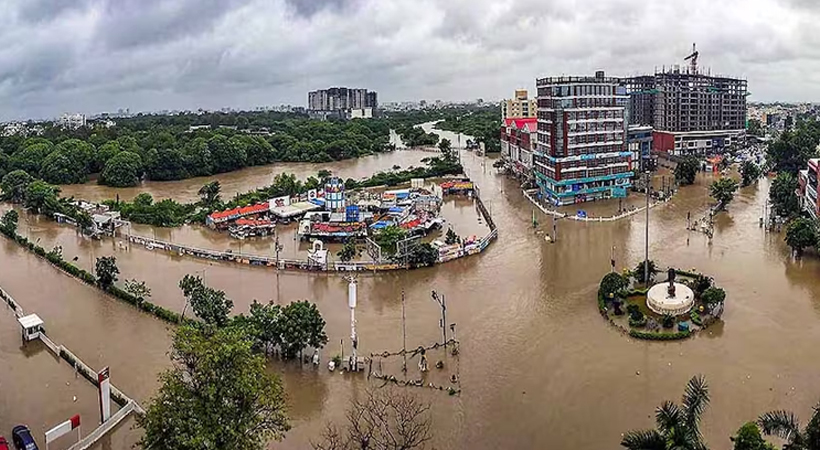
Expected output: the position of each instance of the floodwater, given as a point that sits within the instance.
(538, 366)
(247, 179)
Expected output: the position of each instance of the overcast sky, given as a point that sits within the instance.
(60, 56)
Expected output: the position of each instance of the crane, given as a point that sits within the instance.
(694, 59)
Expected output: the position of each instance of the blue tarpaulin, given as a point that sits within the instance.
(396, 209)
(380, 224)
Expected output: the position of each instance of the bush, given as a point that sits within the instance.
(637, 321)
(612, 283)
(695, 317)
(650, 336)
(668, 321)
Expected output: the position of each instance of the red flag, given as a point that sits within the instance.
(75, 421)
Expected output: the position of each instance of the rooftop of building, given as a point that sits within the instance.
(520, 123)
(573, 80)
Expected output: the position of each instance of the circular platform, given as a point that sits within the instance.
(658, 299)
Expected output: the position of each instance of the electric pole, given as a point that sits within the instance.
(351, 303)
(441, 302)
(403, 335)
(646, 256)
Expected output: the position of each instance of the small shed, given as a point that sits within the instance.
(32, 326)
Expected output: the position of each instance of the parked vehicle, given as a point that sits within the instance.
(4, 445)
(21, 436)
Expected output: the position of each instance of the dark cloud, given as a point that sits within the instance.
(96, 55)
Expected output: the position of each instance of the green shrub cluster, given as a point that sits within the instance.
(650, 336)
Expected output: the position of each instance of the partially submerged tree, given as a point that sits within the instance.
(300, 325)
(209, 194)
(723, 191)
(612, 283)
(748, 438)
(687, 170)
(106, 268)
(217, 395)
(386, 419)
(138, 289)
(349, 252)
(783, 195)
(9, 221)
(749, 172)
(801, 233)
(210, 305)
(678, 426)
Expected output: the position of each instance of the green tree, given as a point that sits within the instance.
(263, 325)
(687, 170)
(14, 185)
(227, 155)
(639, 270)
(445, 146)
(388, 237)
(749, 172)
(209, 194)
(793, 149)
(713, 297)
(210, 305)
(42, 197)
(59, 168)
(107, 271)
(218, 394)
(451, 237)
(138, 289)
(349, 252)
(106, 152)
(801, 233)
(9, 221)
(748, 438)
(700, 284)
(122, 170)
(678, 426)
(324, 175)
(422, 255)
(723, 191)
(301, 326)
(786, 426)
(31, 157)
(783, 195)
(612, 283)
(755, 128)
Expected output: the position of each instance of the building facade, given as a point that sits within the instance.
(341, 98)
(691, 112)
(582, 152)
(519, 138)
(521, 106)
(639, 142)
(808, 188)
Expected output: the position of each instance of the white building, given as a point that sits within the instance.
(72, 121)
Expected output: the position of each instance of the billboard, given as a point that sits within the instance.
(280, 202)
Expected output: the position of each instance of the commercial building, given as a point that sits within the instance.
(72, 121)
(521, 106)
(690, 111)
(519, 139)
(639, 142)
(341, 98)
(582, 150)
(808, 188)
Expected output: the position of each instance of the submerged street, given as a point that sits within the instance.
(538, 366)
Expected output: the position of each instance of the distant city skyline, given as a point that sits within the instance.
(92, 56)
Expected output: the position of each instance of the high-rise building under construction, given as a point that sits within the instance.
(690, 111)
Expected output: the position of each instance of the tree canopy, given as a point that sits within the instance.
(217, 395)
(723, 191)
(749, 172)
(793, 149)
(687, 170)
(122, 170)
(107, 271)
(210, 305)
(783, 195)
(801, 233)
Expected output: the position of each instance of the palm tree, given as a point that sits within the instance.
(785, 425)
(678, 426)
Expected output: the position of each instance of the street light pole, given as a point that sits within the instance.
(646, 255)
(403, 336)
(440, 300)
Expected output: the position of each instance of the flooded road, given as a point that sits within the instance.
(539, 368)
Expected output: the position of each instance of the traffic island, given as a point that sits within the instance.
(680, 307)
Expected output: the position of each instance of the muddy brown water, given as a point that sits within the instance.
(538, 366)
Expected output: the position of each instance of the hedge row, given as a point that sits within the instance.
(85, 276)
(650, 336)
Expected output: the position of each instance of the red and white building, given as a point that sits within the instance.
(518, 143)
(808, 188)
